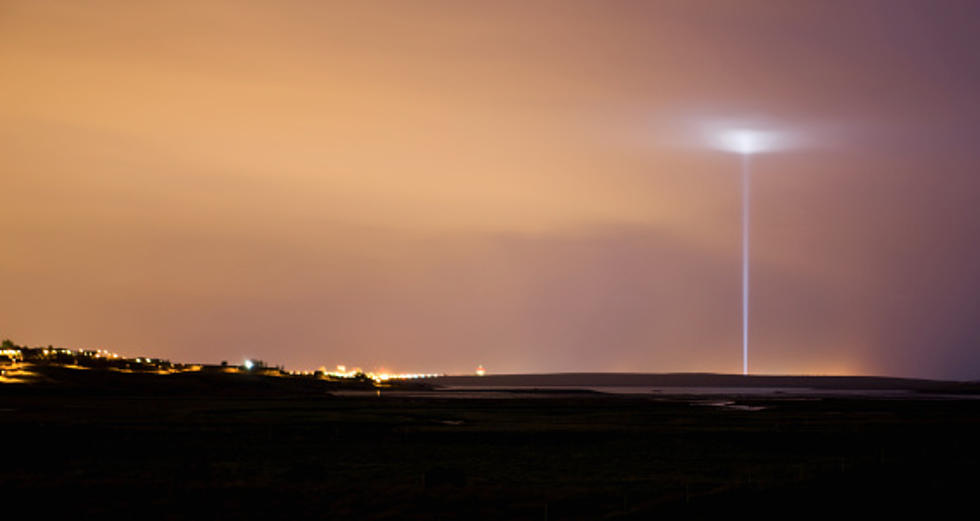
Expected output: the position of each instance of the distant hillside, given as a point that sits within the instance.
(58, 380)
(704, 380)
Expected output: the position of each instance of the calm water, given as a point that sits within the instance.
(695, 394)
(697, 391)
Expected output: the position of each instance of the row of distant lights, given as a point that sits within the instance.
(343, 372)
(98, 353)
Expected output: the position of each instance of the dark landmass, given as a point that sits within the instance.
(97, 444)
(705, 380)
(60, 380)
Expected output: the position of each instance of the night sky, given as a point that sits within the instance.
(429, 186)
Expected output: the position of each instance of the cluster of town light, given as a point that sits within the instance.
(17, 355)
(343, 372)
(17, 361)
(98, 353)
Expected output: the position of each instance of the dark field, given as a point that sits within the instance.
(263, 454)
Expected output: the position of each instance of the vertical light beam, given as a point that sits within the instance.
(746, 142)
(746, 184)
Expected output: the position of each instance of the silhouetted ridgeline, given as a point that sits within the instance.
(706, 380)
(57, 379)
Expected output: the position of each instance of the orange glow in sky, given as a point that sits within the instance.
(425, 185)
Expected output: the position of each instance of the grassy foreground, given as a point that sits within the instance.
(264, 454)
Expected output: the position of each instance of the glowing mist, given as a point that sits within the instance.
(746, 183)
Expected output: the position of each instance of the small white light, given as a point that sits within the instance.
(249, 365)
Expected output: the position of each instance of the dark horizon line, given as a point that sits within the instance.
(697, 379)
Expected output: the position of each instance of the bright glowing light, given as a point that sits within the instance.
(746, 136)
(480, 371)
(249, 365)
(746, 142)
